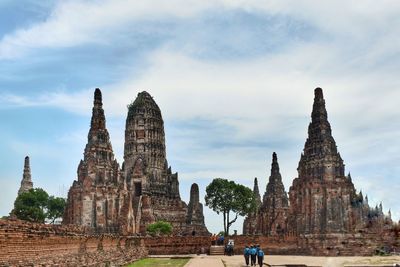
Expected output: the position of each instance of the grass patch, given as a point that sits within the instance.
(160, 262)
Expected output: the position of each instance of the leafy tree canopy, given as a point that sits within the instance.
(31, 205)
(224, 196)
(37, 206)
(55, 208)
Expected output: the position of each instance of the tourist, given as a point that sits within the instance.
(229, 247)
(246, 254)
(260, 256)
(213, 239)
(221, 240)
(253, 255)
(257, 249)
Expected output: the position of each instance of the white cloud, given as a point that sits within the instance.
(72, 102)
(75, 22)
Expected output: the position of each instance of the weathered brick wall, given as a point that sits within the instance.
(360, 244)
(177, 245)
(29, 244)
(286, 245)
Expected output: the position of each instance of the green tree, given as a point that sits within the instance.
(224, 196)
(160, 227)
(55, 208)
(31, 205)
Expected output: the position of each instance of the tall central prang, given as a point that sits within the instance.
(145, 165)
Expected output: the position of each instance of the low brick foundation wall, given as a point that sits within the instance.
(30, 244)
(286, 245)
(177, 245)
(361, 244)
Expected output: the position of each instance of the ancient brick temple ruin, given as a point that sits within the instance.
(271, 215)
(108, 198)
(323, 200)
(26, 182)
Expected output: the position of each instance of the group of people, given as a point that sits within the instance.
(217, 240)
(253, 254)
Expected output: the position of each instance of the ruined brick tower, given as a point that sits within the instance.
(154, 187)
(322, 199)
(99, 198)
(26, 182)
(271, 215)
(195, 217)
(275, 205)
(251, 223)
(106, 198)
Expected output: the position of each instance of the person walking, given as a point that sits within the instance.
(257, 249)
(260, 257)
(246, 254)
(253, 255)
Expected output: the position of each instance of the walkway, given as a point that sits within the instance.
(205, 261)
(238, 261)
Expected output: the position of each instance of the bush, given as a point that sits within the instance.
(160, 228)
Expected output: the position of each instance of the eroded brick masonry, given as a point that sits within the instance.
(323, 207)
(113, 199)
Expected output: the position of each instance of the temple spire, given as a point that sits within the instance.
(275, 188)
(320, 158)
(274, 165)
(98, 118)
(99, 145)
(26, 183)
(256, 191)
(97, 97)
(319, 113)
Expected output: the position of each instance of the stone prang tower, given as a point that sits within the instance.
(26, 182)
(251, 223)
(322, 199)
(109, 199)
(275, 203)
(145, 165)
(195, 217)
(271, 216)
(154, 187)
(99, 198)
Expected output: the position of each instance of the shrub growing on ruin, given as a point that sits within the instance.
(159, 228)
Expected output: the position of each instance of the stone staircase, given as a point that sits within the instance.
(217, 250)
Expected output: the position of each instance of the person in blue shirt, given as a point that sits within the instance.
(246, 254)
(253, 255)
(257, 249)
(221, 240)
(260, 257)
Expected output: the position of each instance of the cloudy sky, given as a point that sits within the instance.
(234, 80)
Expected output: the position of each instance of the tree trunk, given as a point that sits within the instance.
(230, 223)
(224, 221)
(227, 226)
